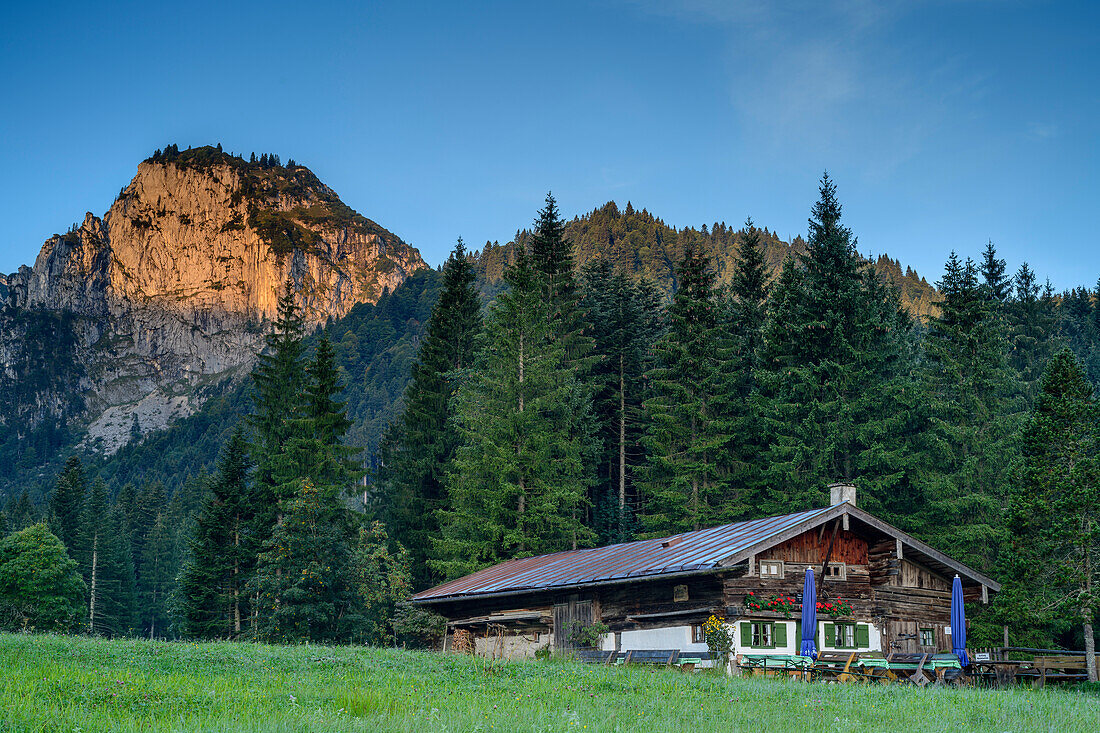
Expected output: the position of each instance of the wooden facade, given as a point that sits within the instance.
(899, 590)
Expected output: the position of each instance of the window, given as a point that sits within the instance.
(697, 635)
(771, 568)
(763, 635)
(679, 593)
(927, 637)
(836, 571)
(846, 636)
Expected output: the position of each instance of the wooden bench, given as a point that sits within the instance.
(1061, 668)
(834, 666)
(658, 657)
(903, 661)
(594, 656)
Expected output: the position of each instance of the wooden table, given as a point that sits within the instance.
(1003, 672)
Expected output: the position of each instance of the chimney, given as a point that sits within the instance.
(841, 492)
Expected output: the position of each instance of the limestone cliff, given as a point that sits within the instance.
(173, 287)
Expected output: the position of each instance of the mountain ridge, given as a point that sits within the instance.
(169, 290)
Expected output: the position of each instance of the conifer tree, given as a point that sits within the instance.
(211, 596)
(623, 332)
(116, 615)
(91, 541)
(20, 512)
(834, 390)
(552, 258)
(419, 450)
(997, 285)
(66, 502)
(1031, 326)
(302, 584)
(747, 311)
(1055, 514)
(967, 448)
(552, 255)
(279, 380)
(315, 447)
(519, 483)
(156, 579)
(685, 487)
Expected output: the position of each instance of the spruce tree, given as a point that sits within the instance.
(552, 255)
(420, 448)
(92, 539)
(303, 582)
(623, 333)
(66, 502)
(1055, 514)
(968, 446)
(997, 285)
(211, 598)
(315, 447)
(1031, 322)
(279, 380)
(519, 484)
(552, 258)
(835, 396)
(685, 486)
(156, 579)
(746, 310)
(117, 612)
(20, 512)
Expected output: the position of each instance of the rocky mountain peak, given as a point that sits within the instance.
(170, 290)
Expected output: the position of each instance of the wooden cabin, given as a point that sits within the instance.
(656, 593)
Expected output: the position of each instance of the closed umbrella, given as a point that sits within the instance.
(958, 622)
(809, 616)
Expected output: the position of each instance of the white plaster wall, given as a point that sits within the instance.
(669, 637)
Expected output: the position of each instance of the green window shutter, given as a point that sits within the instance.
(817, 637)
(780, 634)
(863, 636)
(746, 634)
(830, 635)
(797, 635)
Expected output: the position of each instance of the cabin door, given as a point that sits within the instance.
(568, 618)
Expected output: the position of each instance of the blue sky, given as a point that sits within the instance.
(944, 122)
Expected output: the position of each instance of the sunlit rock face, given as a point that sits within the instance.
(175, 286)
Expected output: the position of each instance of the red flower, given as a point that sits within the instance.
(751, 593)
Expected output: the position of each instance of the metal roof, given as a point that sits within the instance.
(701, 550)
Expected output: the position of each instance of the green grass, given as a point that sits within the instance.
(52, 683)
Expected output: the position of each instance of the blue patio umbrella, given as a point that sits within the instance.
(809, 616)
(958, 623)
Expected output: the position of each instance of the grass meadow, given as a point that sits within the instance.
(55, 683)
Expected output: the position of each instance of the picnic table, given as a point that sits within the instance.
(784, 664)
(1002, 672)
(920, 669)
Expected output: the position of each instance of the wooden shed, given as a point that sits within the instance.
(656, 593)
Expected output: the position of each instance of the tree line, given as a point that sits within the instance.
(580, 408)
(272, 549)
(583, 406)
